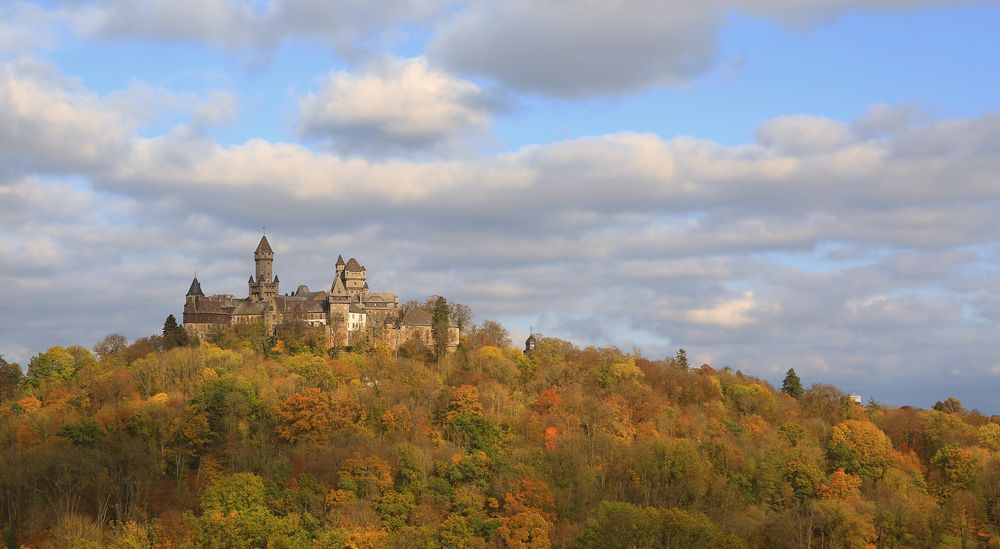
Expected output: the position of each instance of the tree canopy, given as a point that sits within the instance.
(234, 445)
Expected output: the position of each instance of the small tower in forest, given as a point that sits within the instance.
(531, 342)
(266, 285)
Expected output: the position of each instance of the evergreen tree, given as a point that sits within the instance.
(173, 335)
(439, 326)
(792, 385)
(681, 358)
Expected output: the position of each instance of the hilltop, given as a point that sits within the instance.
(259, 442)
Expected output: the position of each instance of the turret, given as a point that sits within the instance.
(354, 276)
(195, 289)
(266, 285)
(530, 343)
(194, 292)
(263, 256)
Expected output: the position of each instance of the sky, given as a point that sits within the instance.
(768, 184)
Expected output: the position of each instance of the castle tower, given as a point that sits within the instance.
(339, 307)
(263, 256)
(194, 291)
(339, 267)
(354, 277)
(266, 285)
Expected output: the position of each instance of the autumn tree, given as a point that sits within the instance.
(489, 333)
(525, 530)
(461, 315)
(366, 476)
(54, 364)
(306, 416)
(950, 405)
(858, 446)
(111, 346)
(10, 378)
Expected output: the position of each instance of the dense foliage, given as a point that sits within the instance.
(170, 443)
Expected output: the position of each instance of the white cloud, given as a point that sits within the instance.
(727, 313)
(47, 123)
(802, 134)
(611, 238)
(394, 105)
(26, 27)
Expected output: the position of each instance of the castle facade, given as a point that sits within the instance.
(348, 310)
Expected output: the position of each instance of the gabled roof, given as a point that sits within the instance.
(416, 317)
(264, 246)
(353, 266)
(250, 308)
(219, 304)
(195, 288)
(338, 288)
(292, 305)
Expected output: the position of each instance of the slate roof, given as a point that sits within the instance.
(353, 266)
(340, 259)
(250, 308)
(416, 317)
(264, 246)
(212, 304)
(287, 305)
(195, 288)
(338, 288)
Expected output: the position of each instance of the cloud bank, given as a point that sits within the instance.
(822, 245)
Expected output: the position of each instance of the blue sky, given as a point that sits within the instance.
(766, 184)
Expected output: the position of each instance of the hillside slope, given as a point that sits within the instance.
(220, 445)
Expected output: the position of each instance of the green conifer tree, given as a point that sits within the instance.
(681, 358)
(439, 326)
(173, 334)
(792, 385)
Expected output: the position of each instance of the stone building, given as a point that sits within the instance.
(349, 309)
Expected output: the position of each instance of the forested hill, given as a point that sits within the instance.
(255, 443)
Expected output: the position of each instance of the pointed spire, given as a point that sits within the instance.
(264, 246)
(251, 279)
(195, 288)
(340, 260)
(338, 288)
(276, 279)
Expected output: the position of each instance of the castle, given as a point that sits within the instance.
(347, 311)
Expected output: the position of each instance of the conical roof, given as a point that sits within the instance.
(264, 246)
(340, 260)
(195, 288)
